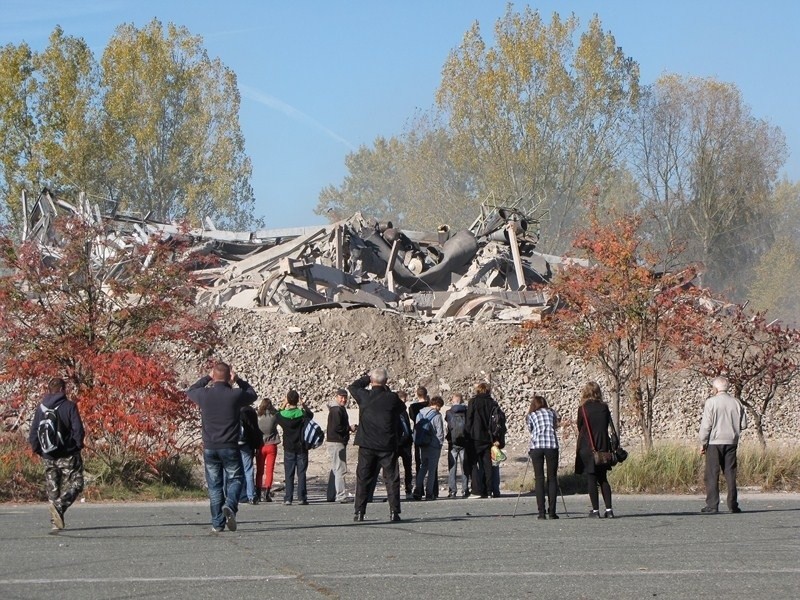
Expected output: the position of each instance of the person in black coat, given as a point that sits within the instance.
(594, 416)
(377, 438)
(250, 443)
(480, 441)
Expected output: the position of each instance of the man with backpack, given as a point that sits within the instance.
(250, 442)
(293, 418)
(429, 436)
(57, 436)
(456, 420)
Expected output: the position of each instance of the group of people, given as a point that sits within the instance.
(240, 445)
(723, 420)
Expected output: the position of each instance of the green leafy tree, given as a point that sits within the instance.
(534, 121)
(776, 286)
(706, 168)
(410, 180)
(171, 122)
(540, 114)
(17, 126)
(372, 186)
(153, 127)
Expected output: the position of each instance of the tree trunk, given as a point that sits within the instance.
(759, 426)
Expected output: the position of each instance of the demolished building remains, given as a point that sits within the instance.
(485, 271)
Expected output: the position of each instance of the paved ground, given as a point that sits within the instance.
(658, 547)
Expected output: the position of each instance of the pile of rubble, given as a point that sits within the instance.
(320, 352)
(485, 271)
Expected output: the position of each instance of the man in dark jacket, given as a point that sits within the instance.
(337, 436)
(292, 419)
(63, 467)
(250, 442)
(220, 406)
(456, 419)
(406, 451)
(377, 438)
(479, 414)
(422, 400)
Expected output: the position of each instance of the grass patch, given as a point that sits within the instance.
(174, 479)
(22, 477)
(678, 469)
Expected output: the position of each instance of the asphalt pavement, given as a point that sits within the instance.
(657, 547)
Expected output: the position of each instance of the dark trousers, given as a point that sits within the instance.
(369, 463)
(408, 476)
(599, 479)
(295, 463)
(538, 458)
(721, 456)
(481, 461)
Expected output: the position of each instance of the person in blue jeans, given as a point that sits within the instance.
(430, 452)
(295, 454)
(456, 420)
(250, 442)
(220, 397)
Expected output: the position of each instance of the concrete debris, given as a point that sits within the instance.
(485, 272)
(430, 339)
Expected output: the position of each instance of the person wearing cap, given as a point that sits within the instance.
(338, 435)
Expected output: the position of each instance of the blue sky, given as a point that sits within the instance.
(321, 78)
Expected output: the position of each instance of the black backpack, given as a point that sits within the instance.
(458, 428)
(423, 431)
(404, 431)
(497, 425)
(51, 431)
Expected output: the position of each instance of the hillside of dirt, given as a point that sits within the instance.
(319, 352)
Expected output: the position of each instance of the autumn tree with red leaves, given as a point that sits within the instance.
(623, 310)
(100, 309)
(758, 357)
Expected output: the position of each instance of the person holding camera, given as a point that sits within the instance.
(377, 439)
(542, 422)
(291, 419)
(220, 405)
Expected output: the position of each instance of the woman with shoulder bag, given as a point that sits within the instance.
(593, 455)
(542, 422)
